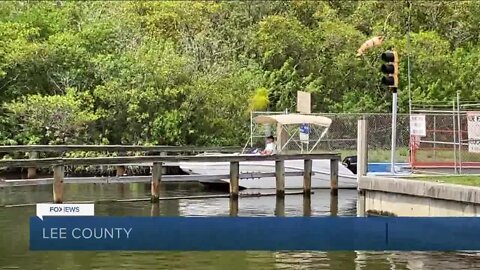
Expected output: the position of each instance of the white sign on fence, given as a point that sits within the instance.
(418, 125)
(473, 123)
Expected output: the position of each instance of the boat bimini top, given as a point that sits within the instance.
(291, 119)
(296, 132)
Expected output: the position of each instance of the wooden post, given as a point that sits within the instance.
(233, 206)
(333, 205)
(32, 171)
(121, 170)
(282, 138)
(361, 203)
(156, 178)
(164, 169)
(280, 207)
(307, 206)
(307, 177)
(234, 178)
(58, 176)
(280, 177)
(334, 177)
(362, 149)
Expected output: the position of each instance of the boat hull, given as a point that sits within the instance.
(320, 173)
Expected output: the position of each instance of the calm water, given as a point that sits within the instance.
(14, 253)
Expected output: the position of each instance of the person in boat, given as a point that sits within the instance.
(270, 147)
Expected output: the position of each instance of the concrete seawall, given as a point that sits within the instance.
(403, 197)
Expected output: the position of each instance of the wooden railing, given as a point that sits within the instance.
(35, 150)
(114, 148)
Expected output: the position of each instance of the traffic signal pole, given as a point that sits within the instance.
(390, 69)
(394, 129)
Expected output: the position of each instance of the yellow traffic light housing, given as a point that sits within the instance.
(390, 69)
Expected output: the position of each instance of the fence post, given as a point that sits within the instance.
(156, 178)
(459, 125)
(280, 177)
(234, 178)
(454, 138)
(58, 176)
(32, 171)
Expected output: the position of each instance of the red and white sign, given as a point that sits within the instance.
(473, 124)
(418, 125)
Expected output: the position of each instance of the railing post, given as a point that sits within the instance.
(307, 177)
(164, 169)
(334, 177)
(280, 177)
(120, 170)
(280, 207)
(58, 176)
(156, 178)
(307, 206)
(233, 206)
(32, 171)
(234, 178)
(333, 205)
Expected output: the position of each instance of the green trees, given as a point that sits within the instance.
(190, 72)
(56, 119)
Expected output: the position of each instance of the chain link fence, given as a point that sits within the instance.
(342, 134)
(445, 145)
(446, 141)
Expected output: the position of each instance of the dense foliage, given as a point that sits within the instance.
(175, 72)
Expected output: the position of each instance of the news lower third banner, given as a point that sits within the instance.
(253, 233)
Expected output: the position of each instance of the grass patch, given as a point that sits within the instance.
(378, 155)
(429, 155)
(467, 180)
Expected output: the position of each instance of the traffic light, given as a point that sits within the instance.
(390, 69)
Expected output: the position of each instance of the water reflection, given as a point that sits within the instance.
(14, 227)
(155, 212)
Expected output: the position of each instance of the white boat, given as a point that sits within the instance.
(290, 139)
(320, 173)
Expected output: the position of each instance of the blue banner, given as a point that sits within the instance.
(254, 233)
(304, 128)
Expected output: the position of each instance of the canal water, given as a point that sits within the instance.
(14, 232)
